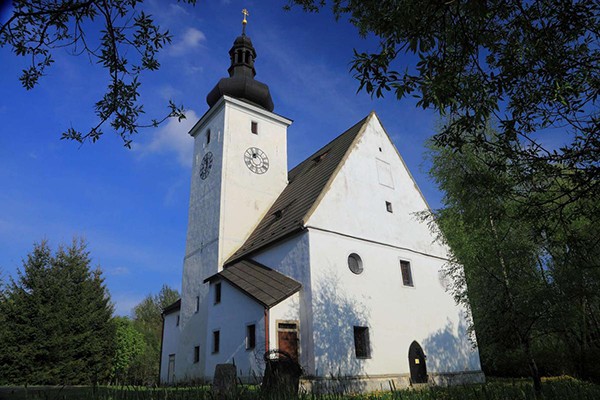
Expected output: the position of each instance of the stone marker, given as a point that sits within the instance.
(225, 380)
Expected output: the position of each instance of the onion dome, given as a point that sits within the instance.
(241, 83)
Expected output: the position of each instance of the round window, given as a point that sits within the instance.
(355, 263)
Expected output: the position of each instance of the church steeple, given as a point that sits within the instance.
(241, 83)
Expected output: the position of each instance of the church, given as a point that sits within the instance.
(326, 262)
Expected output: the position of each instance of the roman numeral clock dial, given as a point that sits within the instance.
(205, 165)
(256, 160)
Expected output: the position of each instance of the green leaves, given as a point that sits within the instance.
(128, 45)
(531, 67)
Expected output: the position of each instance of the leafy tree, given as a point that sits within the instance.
(533, 66)
(531, 277)
(147, 319)
(57, 319)
(128, 44)
(491, 255)
(130, 346)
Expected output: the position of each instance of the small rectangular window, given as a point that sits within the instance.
(287, 326)
(196, 354)
(197, 304)
(254, 127)
(388, 207)
(362, 346)
(216, 341)
(177, 322)
(218, 293)
(406, 273)
(208, 136)
(250, 336)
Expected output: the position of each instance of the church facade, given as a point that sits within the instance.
(326, 262)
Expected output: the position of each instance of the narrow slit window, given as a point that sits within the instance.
(254, 127)
(216, 341)
(196, 354)
(218, 293)
(362, 347)
(407, 279)
(208, 136)
(250, 337)
(177, 322)
(197, 304)
(388, 207)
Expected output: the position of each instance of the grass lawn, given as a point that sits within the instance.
(496, 389)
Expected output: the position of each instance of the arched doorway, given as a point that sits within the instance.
(416, 361)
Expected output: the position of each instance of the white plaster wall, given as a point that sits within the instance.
(292, 258)
(352, 218)
(355, 203)
(396, 315)
(201, 253)
(231, 316)
(247, 196)
(170, 342)
(287, 310)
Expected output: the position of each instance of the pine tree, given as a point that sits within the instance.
(58, 320)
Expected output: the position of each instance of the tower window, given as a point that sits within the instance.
(407, 279)
(208, 136)
(388, 207)
(177, 322)
(216, 341)
(362, 347)
(254, 127)
(250, 336)
(196, 354)
(218, 293)
(197, 304)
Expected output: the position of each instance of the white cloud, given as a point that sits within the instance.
(168, 92)
(190, 39)
(173, 139)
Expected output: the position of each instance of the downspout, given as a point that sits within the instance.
(266, 329)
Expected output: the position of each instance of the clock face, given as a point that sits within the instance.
(256, 160)
(205, 165)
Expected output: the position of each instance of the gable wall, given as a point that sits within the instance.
(355, 203)
(352, 218)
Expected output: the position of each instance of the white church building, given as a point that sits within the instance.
(326, 261)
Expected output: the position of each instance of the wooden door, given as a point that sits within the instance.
(171, 369)
(416, 361)
(287, 338)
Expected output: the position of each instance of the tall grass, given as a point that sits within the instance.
(562, 389)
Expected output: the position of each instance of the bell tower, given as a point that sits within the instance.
(239, 169)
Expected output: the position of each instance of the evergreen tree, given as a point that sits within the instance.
(58, 320)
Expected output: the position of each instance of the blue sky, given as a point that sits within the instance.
(131, 205)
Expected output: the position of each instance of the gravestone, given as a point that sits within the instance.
(224, 381)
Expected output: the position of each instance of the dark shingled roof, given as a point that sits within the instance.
(306, 182)
(267, 286)
(172, 307)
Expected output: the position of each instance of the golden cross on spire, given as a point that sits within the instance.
(244, 21)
